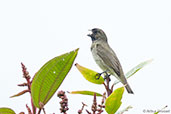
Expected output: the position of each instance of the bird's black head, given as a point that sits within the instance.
(97, 34)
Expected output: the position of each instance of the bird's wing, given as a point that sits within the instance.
(109, 58)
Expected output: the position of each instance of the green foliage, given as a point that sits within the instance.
(135, 69)
(6, 111)
(48, 79)
(124, 110)
(113, 102)
(90, 75)
(51, 75)
(86, 93)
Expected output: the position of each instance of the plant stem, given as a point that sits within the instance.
(33, 107)
(39, 111)
(107, 86)
(27, 77)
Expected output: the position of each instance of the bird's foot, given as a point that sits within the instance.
(107, 76)
(100, 74)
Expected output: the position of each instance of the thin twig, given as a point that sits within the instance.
(82, 108)
(28, 109)
(88, 112)
(105, 85)
(39, 111)
(23, 84)
(112, 88)
(44, 110)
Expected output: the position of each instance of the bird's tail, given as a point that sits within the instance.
(128, 88)
(124, 82)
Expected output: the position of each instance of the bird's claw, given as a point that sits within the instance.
(98, 75)
(107, 76)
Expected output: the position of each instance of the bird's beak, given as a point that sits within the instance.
(89, 35)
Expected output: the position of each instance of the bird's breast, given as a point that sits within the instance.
(98, 59)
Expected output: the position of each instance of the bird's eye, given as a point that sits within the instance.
(95, 31)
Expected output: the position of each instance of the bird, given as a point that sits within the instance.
(106, 58)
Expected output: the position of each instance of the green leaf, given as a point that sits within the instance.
(90, 75)
(6, 111)
(135, 69)
(85, 93)
(113, 102)
(48, 79)
(124, 110)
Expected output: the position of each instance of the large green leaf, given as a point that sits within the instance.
(85, 93)
(48, 79)
(6, 111)
(135, 69)
(113, 102)
(90, 75)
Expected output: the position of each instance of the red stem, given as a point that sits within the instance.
(108, 87)
(27, 77)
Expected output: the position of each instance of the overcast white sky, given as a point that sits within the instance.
(34, 31)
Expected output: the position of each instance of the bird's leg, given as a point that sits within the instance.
(99, 74)
(106, 75)
(105, 72)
